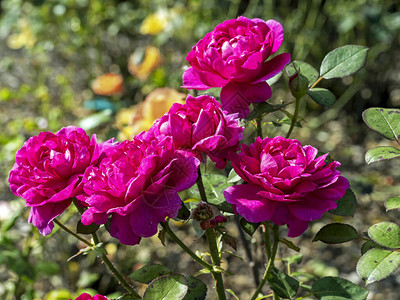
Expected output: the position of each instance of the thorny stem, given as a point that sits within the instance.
(219, 283)
(73, 233)
(184, 247)
(259, 127)
(120, 278)
(270, 261)
(294, 118)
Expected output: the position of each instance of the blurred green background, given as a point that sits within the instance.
(52, 51)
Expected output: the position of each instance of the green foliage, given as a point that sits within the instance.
(381, 153)
(248, 227)
(346, 206)
(282, 284)
(335, 288)
(175, 286)
(385, 121)
(386, 234)
(149, 273)
(392, 203)
(343, 61)
(336, 233)
(322, 96)
(377, 264)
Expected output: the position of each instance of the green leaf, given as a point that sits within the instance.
(197, 289)
(377, 264)
(232, 293)
(343, 61)
(385, 121)
(263, 108)
(99, 250)
(282, 284)
(248, 227)
(386, 234)
(47, 268)
(335, 288)
(215, 184)
(289, 244)
(297, 258)
(392, 203)
(368, 245)
(322, 96)
(304, 69)
(336, 233)
(381, 153)
(149, 273)
(233, 177)
(346, 206)
(86, 229)
(167, 287)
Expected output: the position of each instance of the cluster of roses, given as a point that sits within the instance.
(134, 185)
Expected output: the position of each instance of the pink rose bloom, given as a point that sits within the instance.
(286, 184)
(234, 56)
(86, 296)
(137, 185)
(201, 125)
(48, 172)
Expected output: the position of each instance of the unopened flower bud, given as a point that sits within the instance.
(298, 85)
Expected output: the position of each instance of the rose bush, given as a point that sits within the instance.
(286, 183)
(48, 172)
(234, 56)
(138, 185)
(201, 125)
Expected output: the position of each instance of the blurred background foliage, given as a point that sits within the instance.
(52, 54)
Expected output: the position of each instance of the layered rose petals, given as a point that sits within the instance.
(48, 172)
(199, 126)
(286, 183)
(137, 186)
(234, 56)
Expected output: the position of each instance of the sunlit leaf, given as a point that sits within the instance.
(304, 69)
(149, 273)
(377, 264)
(385, 121)
(343, 61)
(392, 203)
(381, 153)
(322, 96)
(386, 234)
(167, 287)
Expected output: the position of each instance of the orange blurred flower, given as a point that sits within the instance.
(133, 120)
(142, 64)
(107, 84)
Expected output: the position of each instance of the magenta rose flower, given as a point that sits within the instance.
(286, 184)
(234, 56)
(137, 185)
(48, 172)
(86, 296)
(201, 125)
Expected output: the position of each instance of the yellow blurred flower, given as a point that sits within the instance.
(155, 23)
(25, 38)
(138, 118)
(107, 84)
(141, 65)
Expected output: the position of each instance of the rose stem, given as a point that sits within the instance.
(114, 270)
(270, 264)
(184, 247)
(200, 186)
(259, 128)
(109, 264)
(294, 118)
(73, 233)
